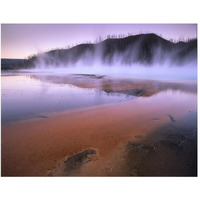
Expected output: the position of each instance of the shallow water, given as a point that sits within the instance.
(24, 97)
(35, 95)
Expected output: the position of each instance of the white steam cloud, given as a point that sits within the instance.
(172, 64)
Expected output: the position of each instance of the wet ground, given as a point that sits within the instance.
(27, 97)
(169, 151)
(128, 127)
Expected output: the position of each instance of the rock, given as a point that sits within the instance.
(171, 118)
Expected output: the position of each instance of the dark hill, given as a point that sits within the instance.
(12, 63)
(143, 48)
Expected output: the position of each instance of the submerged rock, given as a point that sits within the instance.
(171, 118)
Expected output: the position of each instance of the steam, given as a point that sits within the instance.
(160, 60)
(155, 72)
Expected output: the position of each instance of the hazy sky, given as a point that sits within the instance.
(21, 40)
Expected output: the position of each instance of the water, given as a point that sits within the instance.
(37, 95)
(24, 97)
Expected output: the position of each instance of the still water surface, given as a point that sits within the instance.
(26, 96)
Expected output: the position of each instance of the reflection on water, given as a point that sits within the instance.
(117, 85)
(24, 97)
(36, 95)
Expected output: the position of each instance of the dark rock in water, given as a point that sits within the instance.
(78, 159)
(171, 118)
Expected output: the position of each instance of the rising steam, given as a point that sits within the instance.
(140, 56)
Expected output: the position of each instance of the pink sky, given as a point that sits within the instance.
(22, 40)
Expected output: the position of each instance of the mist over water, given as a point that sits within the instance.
(155, 71)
